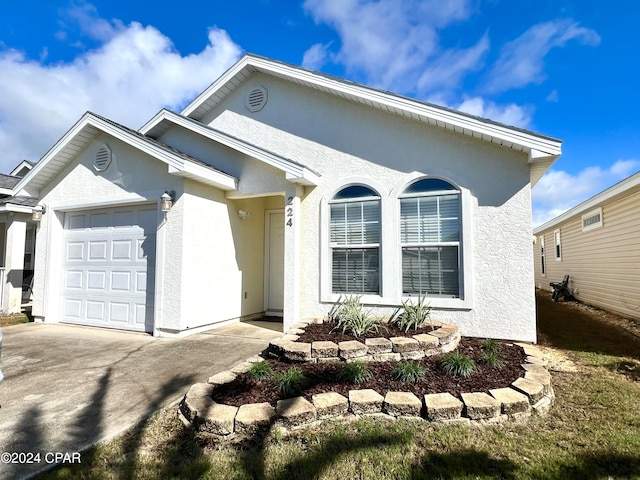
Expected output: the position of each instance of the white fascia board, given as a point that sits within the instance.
(53, 151)
(6, 191)
(16, 208)
(88, 119)
(456, 121)
(220, 81)
(294, 172)
(205, 175)
(626, 185)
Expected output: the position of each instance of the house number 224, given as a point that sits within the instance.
(289, 212)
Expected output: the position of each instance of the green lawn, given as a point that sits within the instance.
(591, 432)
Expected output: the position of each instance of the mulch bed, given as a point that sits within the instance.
(322, 377)
(317, 332)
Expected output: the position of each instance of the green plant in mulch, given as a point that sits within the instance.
(260, 370)
(490, 345)
(458, 364)
(354, 372)
(353, 320)
(413, 316)
(491, 359)
(408, 371)
(291, 382)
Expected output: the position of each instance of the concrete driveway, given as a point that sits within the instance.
(68, 387)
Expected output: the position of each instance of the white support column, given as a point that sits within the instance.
(14, 263)
(292, 219)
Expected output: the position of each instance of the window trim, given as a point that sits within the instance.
(390, 249)
(542, 257)
(402, 245)
(590, 214)
(356, 246)
(557, 242)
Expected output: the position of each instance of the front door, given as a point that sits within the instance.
(274, 275)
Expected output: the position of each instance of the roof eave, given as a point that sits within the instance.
(294, 171)
(484, 129)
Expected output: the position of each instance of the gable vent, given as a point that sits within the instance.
(256, 99)
(102, 159)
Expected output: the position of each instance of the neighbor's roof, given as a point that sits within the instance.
(541, 149)
(89, 126)
(621, 189)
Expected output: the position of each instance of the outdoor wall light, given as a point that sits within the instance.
(243, 214)
(166, 202)
(37, 212)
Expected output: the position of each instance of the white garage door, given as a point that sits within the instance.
(108, 267)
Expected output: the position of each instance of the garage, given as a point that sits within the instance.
(108, 267)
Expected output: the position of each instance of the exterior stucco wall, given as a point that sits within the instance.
(132, 178)
(223, 257)
(347, 143)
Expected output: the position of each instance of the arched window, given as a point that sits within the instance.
(355, 240)
(430, 227)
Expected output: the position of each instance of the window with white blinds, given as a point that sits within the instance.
(355, 241)
(430, 238)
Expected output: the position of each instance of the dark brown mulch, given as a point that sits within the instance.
(322, 377)
(317, 332)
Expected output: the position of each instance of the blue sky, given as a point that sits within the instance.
(567, 69)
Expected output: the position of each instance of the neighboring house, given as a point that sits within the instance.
(290, 189)
(17, 245)
(596, 243)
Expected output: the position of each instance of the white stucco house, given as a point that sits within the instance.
(289, 189)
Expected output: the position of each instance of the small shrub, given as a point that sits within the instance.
(490, 345)
(290, 382)
(413, 316)
(260, 370)
(353, 320)
(354, 372)
(491, 359)
(408, 371)
(457, 364)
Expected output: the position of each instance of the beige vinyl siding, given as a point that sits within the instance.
(604, 263)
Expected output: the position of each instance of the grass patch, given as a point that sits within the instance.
(591, 432)
(9, 320)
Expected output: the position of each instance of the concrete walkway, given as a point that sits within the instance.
(68, 387)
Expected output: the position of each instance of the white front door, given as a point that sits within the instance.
(108, 267)
(275, 262)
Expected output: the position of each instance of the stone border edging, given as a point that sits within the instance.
(441, 340)
(531, 393)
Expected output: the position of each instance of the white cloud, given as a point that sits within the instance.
(315, 57)
(558, 191)
(521, 61)
(553, 96)
(391, 42)
(510, 114)
(135, 72)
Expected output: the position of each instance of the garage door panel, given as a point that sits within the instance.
(75, 251)
(119, 312)
(72, 308)
(109, 267)
(97, 280)
(121, 250)
(120, 281)
(95, 310)
(98, 250)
